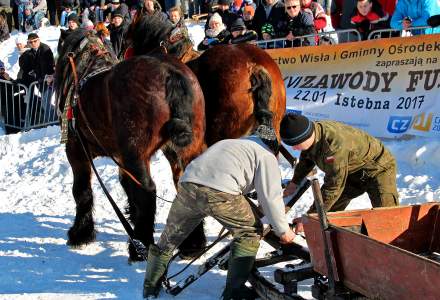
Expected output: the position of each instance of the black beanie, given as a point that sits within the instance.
(295, 129)
(238, 25)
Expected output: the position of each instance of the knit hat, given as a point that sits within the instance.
(29, 6)
(115, 2)
(249, 9)
(268, 28)
(295, 129)
(238, 25)
(268, 136)
(215, 18)
(117, 13)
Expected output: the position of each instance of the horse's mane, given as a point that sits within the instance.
(76, 44)
(150, 31)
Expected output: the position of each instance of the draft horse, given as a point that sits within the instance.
(242, 85)
(127, 110)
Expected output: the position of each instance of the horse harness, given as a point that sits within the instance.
(176, 35)
(71, 104)
(68, 120)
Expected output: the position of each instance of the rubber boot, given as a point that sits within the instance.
(156, 267)
(240, 265)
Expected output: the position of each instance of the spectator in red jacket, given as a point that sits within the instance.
(318, 13)
(366, 19)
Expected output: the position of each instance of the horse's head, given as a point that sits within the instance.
(80, 53)
(151, 33)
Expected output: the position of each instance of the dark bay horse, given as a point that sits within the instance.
(242, 85)
(127, 110)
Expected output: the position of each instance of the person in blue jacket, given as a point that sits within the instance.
(413, 13)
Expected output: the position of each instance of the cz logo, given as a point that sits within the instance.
(398, 124)
(421, 122)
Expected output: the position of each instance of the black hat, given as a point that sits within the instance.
(295, 129)
(238, 25)
(224, 2)
(117, 13)
(73, 18)
(33, 36)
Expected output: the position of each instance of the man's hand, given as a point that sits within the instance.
(290, 36)
(287, 237)
(290, 189)
(299, 228)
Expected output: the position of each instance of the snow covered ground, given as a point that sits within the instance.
(37, 209)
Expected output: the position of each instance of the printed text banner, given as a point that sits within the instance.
(387, 87)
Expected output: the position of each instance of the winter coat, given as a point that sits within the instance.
(117, 37)
(300, 25)
(222, 38)
(260, 18)
(36, 64)
(227, 18)
(318, 13)
(372, 21)
(341, 151)
(4, 32)
(248, 36)
(418, 10)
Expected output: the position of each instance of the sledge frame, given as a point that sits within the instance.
(381, 253)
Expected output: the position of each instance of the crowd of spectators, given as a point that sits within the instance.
(285, 22)
(246, 19)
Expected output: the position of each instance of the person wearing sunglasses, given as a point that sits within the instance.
(294, 24)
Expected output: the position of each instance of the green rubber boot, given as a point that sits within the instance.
(156, 267)
(240, 265)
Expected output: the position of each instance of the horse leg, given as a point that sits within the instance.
(141, 203)
(196, 241)
(83, 229)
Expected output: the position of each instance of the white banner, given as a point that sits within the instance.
(388, 87)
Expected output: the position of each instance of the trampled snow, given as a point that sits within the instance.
(37, 209)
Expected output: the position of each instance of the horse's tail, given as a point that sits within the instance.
(179, 94)
(261, 89)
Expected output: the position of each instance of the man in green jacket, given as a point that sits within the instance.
(353, 161)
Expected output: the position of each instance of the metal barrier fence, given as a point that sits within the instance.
(41, 110)
(13, 98)
(24, 108)
(389, 32)
(332, 37)
(341, 36)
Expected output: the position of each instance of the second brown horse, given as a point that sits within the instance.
(242, 85)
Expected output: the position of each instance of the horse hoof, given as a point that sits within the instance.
(77, 239)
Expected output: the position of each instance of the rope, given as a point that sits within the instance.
(220, 236)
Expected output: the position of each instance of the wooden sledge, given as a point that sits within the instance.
(384, 253)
